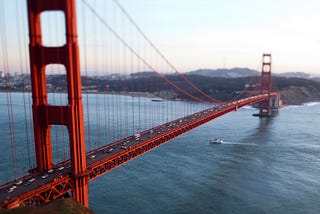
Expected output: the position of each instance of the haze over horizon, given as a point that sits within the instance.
(210, 34)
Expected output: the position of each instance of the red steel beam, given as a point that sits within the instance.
(42, 194)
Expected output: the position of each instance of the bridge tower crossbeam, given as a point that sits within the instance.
(45, 115)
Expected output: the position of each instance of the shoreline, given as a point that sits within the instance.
(152, 95)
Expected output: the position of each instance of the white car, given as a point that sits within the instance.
(60, 168)
(50, 170)
(10, 190)
(92, 156)
(44, 176)
(108, 150)
(13, 187)
(31, 180)
(19, 182)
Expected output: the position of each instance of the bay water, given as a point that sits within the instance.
(265, 165)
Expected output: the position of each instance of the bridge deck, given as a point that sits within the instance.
(38, 188)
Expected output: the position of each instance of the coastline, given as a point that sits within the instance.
(170, 97)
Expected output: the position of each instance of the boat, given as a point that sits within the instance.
(216, 141)
(157, 100)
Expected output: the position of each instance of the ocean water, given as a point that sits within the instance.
(268, 165)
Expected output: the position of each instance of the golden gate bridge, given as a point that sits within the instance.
(108, 49)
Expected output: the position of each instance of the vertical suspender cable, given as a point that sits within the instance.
(105, 61)
(8, 89)
(94, 32)
(118, 88)
(132, 86)
(113, 88)
(23, 84)
(86, 77)
(123, 98)
(29, 96)
(139, 90)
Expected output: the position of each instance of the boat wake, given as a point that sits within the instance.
(237, 143)
(311, 104)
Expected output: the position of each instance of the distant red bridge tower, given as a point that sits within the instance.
(45, 115)
(269, 106)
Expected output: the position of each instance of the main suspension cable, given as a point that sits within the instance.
(140, 58)
(162, 55)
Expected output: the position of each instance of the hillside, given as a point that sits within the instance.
(294, 91)
(227, 73)
(63, 206)
(245, 72)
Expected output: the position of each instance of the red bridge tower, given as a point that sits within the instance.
(45, 115)
(265, 84)
(269, 106)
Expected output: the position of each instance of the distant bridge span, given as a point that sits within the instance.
(104, 159)
(159, 135)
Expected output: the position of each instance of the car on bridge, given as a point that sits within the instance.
(44, 176)
(92, 157)
(108, 150)
(60, 168)
(19, 182)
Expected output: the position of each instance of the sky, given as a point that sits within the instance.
(233, 33)
(206, 33)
